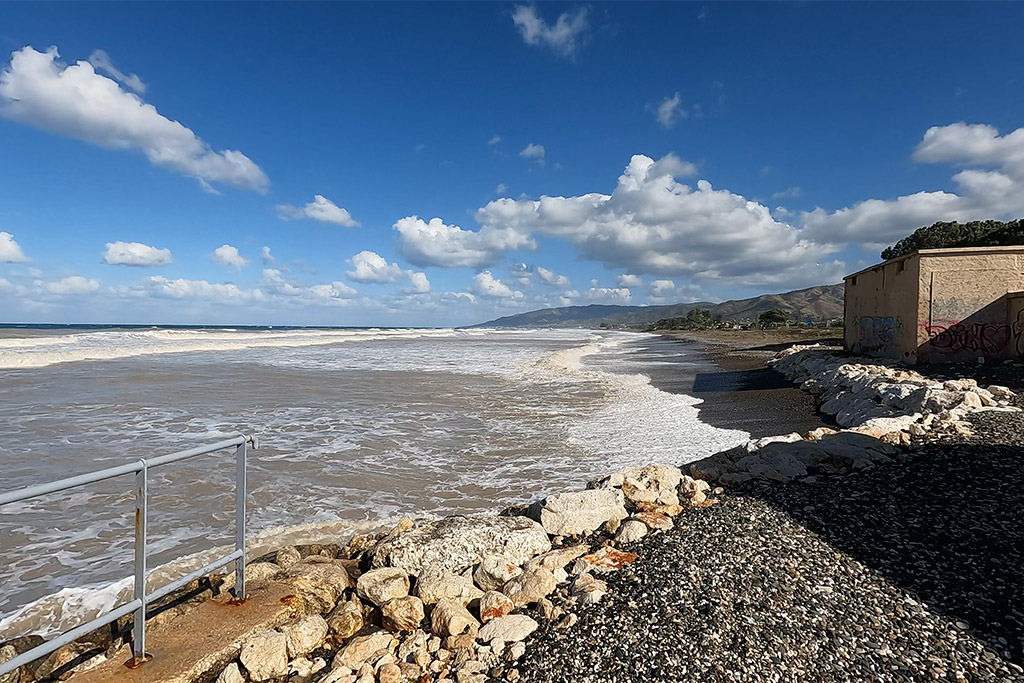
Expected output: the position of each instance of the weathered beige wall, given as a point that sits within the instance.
(963, 312)
(881, 310)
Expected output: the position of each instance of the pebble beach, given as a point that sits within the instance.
(912, 571)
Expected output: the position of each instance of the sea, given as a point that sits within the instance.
(357, 429)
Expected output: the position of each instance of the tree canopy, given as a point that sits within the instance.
(775, 316)
(695, 319)
(945, 234)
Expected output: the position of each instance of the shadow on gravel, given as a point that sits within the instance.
(755, 379)
(947, 529)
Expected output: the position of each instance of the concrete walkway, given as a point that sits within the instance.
(196, 646)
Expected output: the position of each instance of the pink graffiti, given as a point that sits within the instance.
(985, 338)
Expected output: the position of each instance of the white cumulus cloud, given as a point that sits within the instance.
(608, 295)
(662, 287)
(202, 290)
(266, 256)
(227, 255)
(77, 102)
(629, 280)
(10, 251)
(419, 282)
(333, 291)
(74, 284)
(320, 209)
(653, 224)
(371, 267)
(981, 194)
(135, 254)
(448, 246)
(484, 284)
(565, 37)
(549, 277)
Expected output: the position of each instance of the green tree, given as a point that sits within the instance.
(775, 316)
(946, 234)
(699, 319)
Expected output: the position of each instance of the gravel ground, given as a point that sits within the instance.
(911, 572)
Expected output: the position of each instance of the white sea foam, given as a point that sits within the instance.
(639, 423)
(420, 422)
(37, 352)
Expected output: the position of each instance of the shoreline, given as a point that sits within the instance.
(738, 389)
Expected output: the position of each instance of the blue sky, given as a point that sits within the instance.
(443, 164)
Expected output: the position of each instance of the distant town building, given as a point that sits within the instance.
(939, 306)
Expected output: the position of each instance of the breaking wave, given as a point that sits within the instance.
(37, 352)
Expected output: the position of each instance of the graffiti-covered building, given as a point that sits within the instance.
(939, 305)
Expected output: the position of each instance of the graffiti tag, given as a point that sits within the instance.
(984, 338)
(1018, 332)
(876, 333)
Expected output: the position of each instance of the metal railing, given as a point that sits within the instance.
(140, 598)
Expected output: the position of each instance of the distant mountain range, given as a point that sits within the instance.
(825, 301)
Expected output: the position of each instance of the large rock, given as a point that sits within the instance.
(694, 491)
(450, 618)
(1000, 391)
(230, 674)
(402, 614)
(287, 557)
(7, 653)
(852, 449)
(607, 559)
(579, 512)
(265, 656)
(319, 585)
(509, 629)
(557, 558)
(380, 586)
(346, 620)
(778, 462)
(530, 586)
(655, 521)
(494, 604)
(630, 531)
(436, 583)
(655, 483)
(494, 572)
(457, 543)
(362, 649)
(588, 589)
(931, 400)
(260, 572)
(305, 635)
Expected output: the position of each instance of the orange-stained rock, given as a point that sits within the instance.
(608, 559)
(654, 520)
(670, 510)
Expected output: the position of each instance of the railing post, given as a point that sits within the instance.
(141, 522)
(240, 457)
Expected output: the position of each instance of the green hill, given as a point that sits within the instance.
(824, 301)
